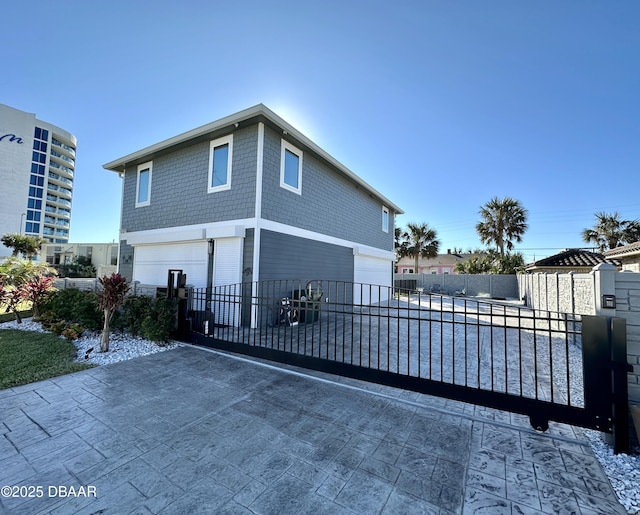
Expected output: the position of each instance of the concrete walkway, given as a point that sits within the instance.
(193, 431)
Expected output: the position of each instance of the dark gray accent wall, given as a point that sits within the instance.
(289, 262)
(283, 256)
(179, 188)
(247, 257)
(330, 203)
(125, 261)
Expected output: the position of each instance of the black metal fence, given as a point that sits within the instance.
(493, 354)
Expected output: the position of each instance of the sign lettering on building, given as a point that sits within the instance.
(12, 138)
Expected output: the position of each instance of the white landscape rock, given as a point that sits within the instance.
(122, 346)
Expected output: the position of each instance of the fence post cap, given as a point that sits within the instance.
(604, 266)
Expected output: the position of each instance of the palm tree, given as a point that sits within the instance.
(611, 232)
(28, 246)
(419, 240)
(503, 220)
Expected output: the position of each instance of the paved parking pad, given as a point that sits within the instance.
(194, 431)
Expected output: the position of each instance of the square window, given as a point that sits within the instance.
(291, 168)
(143, 185)
(385, 219)
(220, 160)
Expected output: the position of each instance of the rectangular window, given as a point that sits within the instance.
(220, 158)
(33, 215)
(36, 180)
(41, 133)
(32, 227)
(114, 256)
(143, 184)
(385, 219)
(291, 168)
(35, 192)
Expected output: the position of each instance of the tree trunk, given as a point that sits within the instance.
(104, 338)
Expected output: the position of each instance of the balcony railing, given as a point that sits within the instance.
(53, 198)
(63, 157)
(57, 177)
(69, 149)
(53, 164)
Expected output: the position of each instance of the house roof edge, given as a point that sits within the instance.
(256, 111)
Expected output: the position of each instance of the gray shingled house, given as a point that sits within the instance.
(249, 198)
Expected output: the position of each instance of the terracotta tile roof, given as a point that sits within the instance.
(573, 258)
(633, 248)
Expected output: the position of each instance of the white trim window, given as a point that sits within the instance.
(385, 219)
(291, 168)
(220, 157)
(143, 184)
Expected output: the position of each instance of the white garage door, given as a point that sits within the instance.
(151, 263)
(367, 271)
(227, 276)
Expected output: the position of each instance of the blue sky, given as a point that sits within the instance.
(440, 105)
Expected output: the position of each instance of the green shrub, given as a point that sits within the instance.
(74, 306)
(160, 322)
(153, 319)
(73, 331)
(56, 327)
(134, 310)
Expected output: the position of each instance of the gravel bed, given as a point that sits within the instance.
(622, 470)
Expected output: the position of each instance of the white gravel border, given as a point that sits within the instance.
(623, 470)
(121, 346)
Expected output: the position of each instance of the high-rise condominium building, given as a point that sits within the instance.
(37, 163)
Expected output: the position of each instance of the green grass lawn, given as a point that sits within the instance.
(26, 357)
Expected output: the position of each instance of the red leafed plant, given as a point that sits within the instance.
(114, 290)
(16, 276)
(36, 290)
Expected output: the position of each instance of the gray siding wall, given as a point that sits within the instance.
(288, 257)
(330, 203)
(179, 188)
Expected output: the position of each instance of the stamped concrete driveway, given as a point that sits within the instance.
(194, 431)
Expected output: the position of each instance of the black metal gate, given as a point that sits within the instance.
(545, 365)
